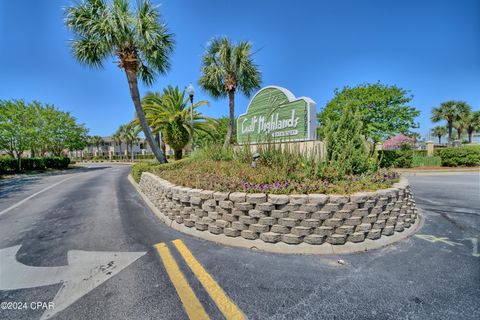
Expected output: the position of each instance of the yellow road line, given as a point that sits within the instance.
(223, 302)
(192, 306)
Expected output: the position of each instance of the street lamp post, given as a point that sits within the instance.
(191, 93)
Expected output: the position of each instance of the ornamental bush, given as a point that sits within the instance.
(57, 162)
(468, 156)
(10, 165)
(347, 151)
(30, 164)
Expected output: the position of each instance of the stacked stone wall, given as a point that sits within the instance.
(292, 219)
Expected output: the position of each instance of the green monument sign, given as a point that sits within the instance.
(274, 114)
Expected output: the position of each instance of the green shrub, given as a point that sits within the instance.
(424, 161)
(214, 152)
(347, 151)
(139, 168)
(387, 158)
(29, 164)
(8, 165)
(468, 156)
(402, 158)
(57, 162)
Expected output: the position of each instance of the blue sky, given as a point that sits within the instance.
(431, 47)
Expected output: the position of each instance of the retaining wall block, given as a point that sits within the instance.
(313, 219)
(292, 238)
(256, 198)
(271, 237)
(237, 197)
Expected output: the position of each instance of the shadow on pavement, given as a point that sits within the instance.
(18, 183)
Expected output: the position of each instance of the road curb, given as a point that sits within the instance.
(302, 248)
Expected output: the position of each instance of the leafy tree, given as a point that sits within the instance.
(226, 69)
(137, 38)
(439, 132)
(383, 110)
(170, 114)
(450, 111)
(61, 131)
(472, 124)
(39, 128)
(16, 123)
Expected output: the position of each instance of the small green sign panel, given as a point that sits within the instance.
(274, 114)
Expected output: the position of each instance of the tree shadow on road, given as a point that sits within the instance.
(13, 185)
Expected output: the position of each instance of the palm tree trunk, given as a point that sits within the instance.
(161, 143)
(120, 145)
(459, 133)
(133, 84)
(439, 139)
(131, 152)
(450, 127)
(470, 136)
(231, 104)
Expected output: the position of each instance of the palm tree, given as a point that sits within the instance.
(472, 124)
(439, 132)
(117, 138)
(170, 114)
(130, 133)
(96, 141)
(450, 111)
(459, 125)
(137, 38)
(228, 68)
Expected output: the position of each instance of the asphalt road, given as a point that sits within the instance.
(432, 275)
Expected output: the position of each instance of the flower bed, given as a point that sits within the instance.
(314, 219)
(235, 176)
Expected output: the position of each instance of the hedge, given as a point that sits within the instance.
(395, 158)
(11, 165)
(468, 156)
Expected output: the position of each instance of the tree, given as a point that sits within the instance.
(39, 128)
(170, 114)
(137, 38)
(439, 132)
(450, 111)
(61, 131)
(383, 110)
(96, 141)
(471, 123)
(16, 123)
(226, 69)
(117, 138)
(130, 136)
(459, 125)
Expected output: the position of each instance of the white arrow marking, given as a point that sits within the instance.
(85, 271)
(474, 246)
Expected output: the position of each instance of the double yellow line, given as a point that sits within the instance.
(192, 305)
